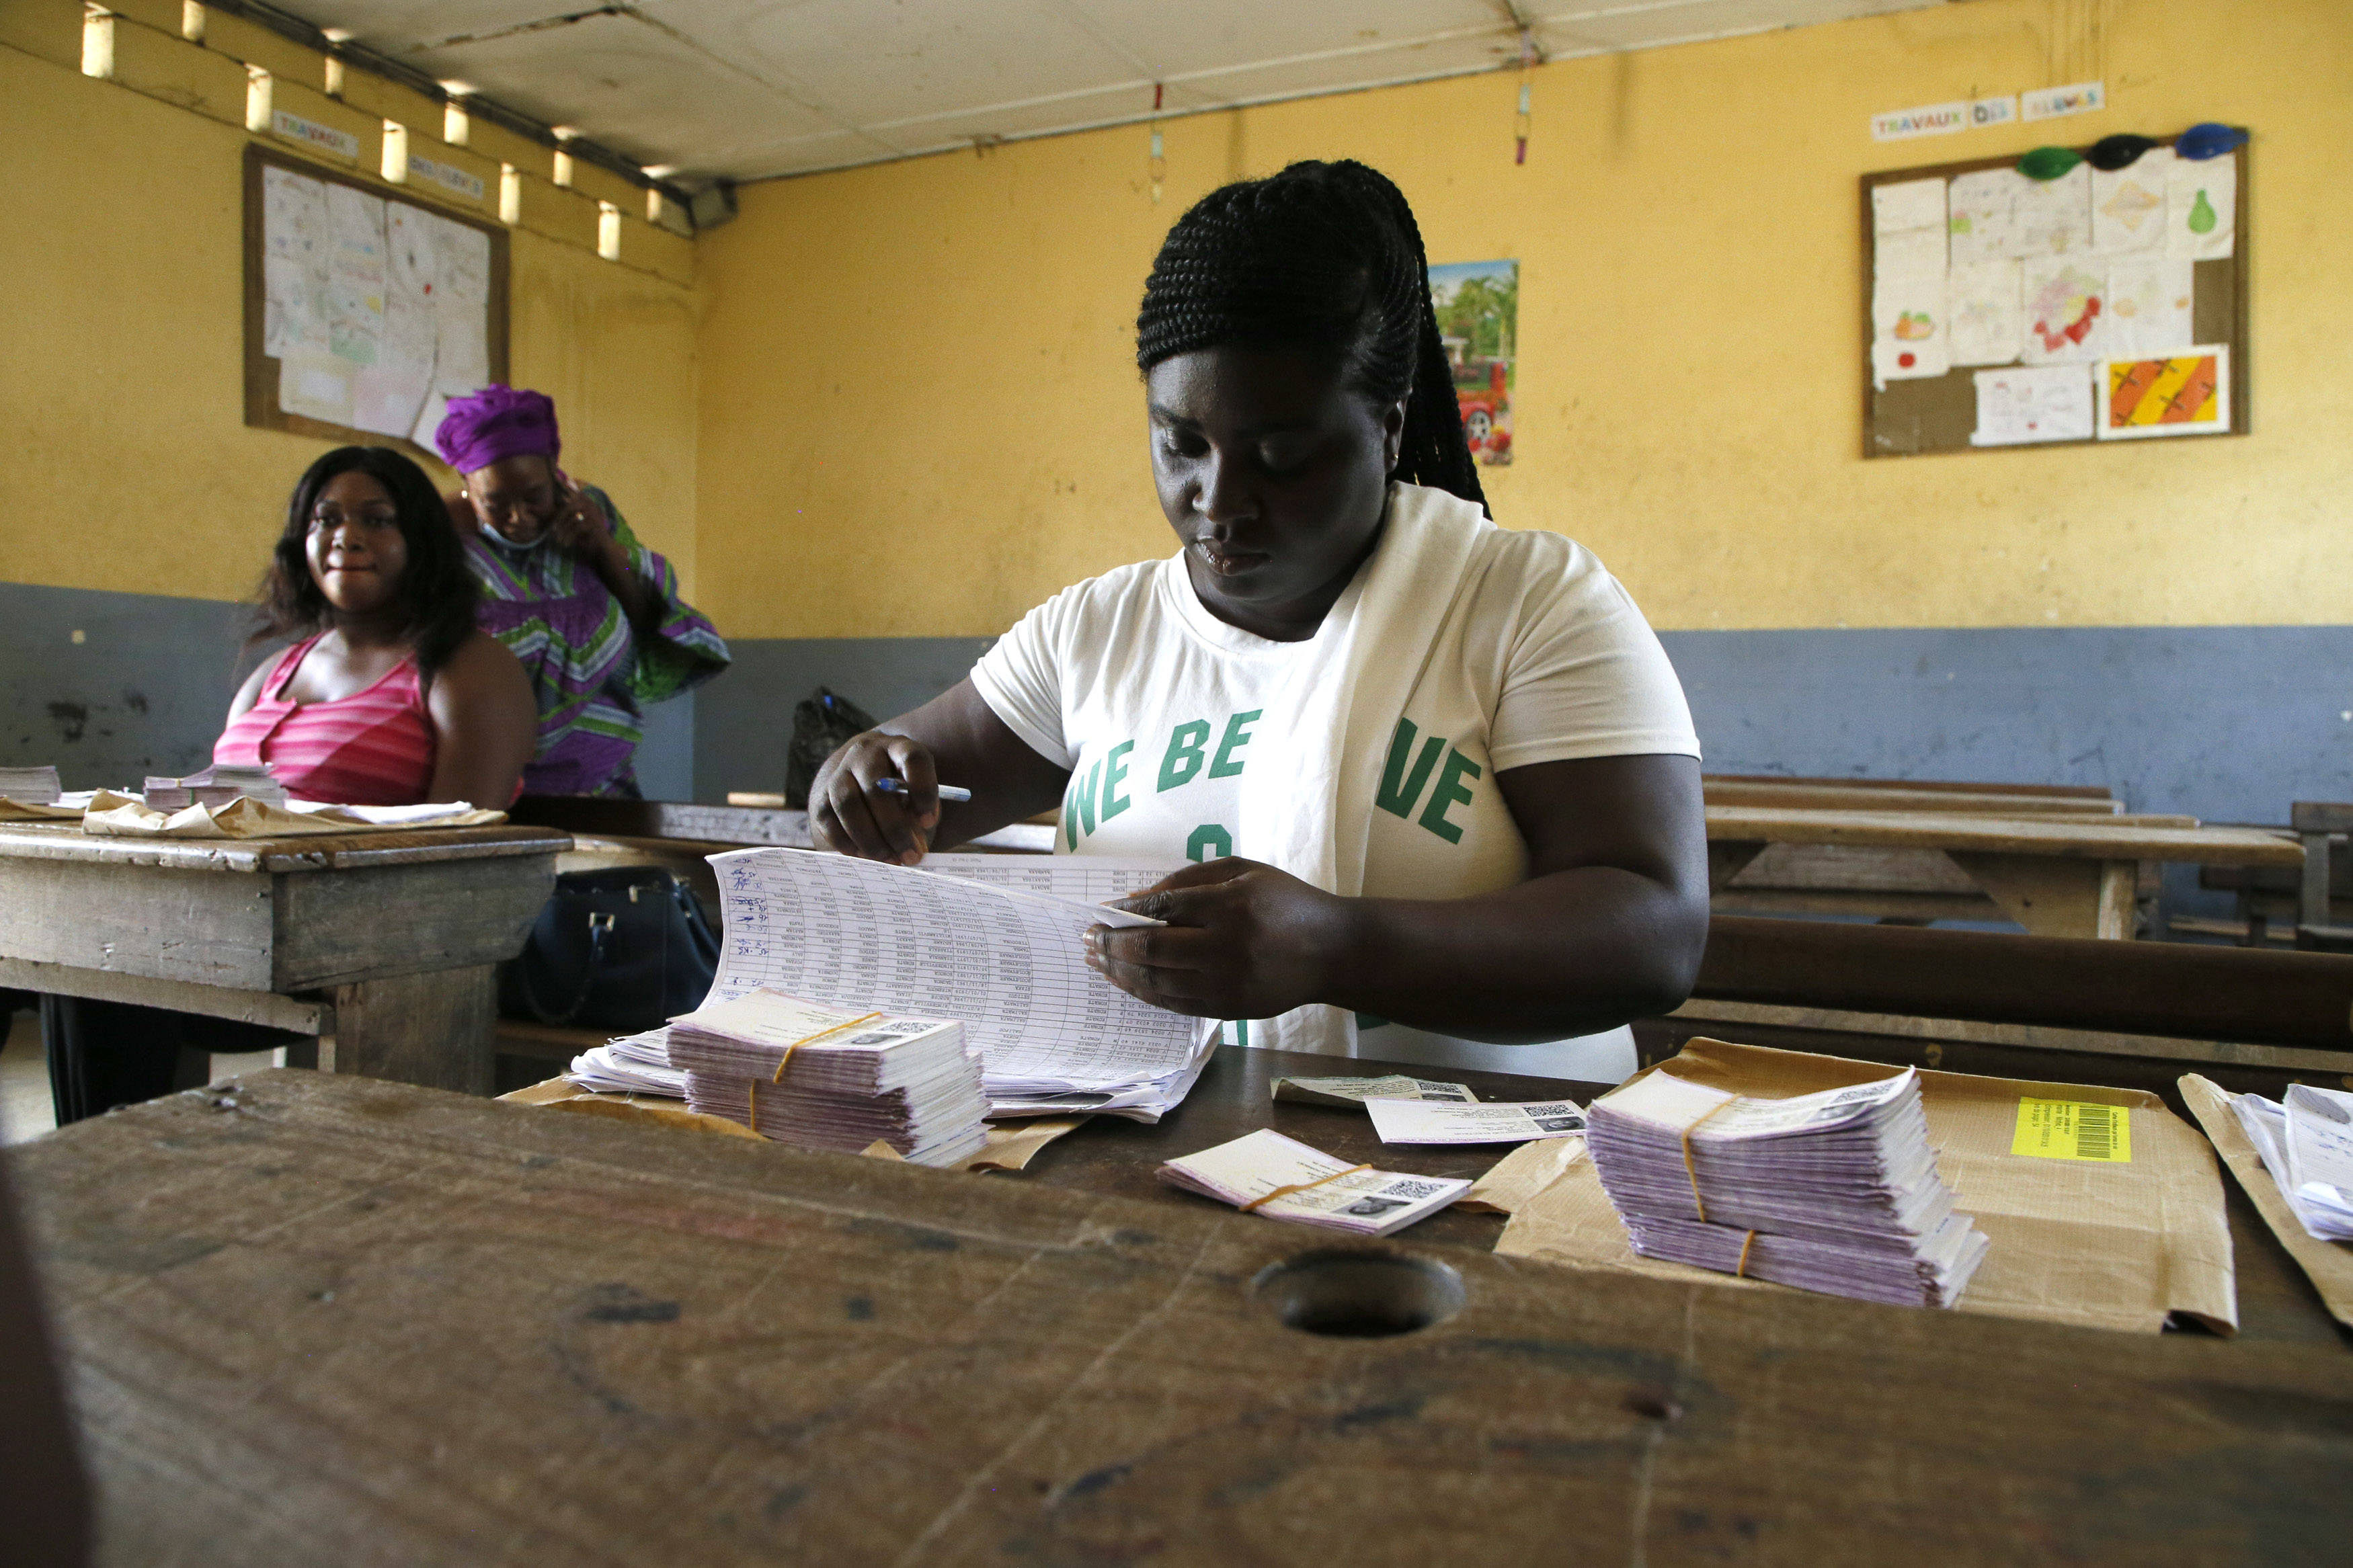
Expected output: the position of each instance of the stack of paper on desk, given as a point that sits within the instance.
(1426, 1120)
(30, 786)
(1266, 1173)
(2308, 1147)
(997, 944)
(831, 1077)
(216, 785)
(634, 1064)
(1835, 1192)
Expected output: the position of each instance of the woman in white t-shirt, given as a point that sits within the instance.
(1438, 777)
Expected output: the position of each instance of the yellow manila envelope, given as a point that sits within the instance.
(2328, 1264)
(2115, 1235)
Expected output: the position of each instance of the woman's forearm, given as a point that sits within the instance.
(1569, 953)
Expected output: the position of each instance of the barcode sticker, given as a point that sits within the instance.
(2074, 1130)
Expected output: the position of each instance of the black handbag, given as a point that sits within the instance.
(621, 950)
(822, 725)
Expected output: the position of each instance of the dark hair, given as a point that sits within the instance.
(1326, 258)
(437, 591)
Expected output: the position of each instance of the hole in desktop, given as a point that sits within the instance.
(1359, 1294)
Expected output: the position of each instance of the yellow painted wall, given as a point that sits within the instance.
(919, 414)
(128, 464)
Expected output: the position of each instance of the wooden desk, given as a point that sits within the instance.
(318, 1320)
(2054, 874)
(383, 945)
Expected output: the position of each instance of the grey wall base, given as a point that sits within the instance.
(147, 687)
(2230, 724)
(743, 719)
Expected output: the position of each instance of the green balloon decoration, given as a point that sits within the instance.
(2202, 214)
(2049, 163)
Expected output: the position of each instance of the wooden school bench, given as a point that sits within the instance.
(382, 945)
(319, 1319)
(2130, 1015)
(2057, 874)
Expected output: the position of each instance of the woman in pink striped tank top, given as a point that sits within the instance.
(389, 695)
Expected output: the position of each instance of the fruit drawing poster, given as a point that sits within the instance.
(2188, 393)
(2066, 306)
(1477, 305)
(1909, 335)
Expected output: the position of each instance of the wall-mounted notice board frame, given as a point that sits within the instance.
(1907, 417)
(392, 333)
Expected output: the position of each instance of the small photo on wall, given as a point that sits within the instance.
(2184, 393)
(1477, 305)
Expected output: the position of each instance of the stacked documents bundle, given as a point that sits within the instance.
(832, 1077)
(1836, 1191)
(2308, 1147)
(1266, 1173)
(217, 785)
(30, 786)
(997, 942)
(634, 1064)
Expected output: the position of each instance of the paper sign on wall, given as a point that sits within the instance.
(2050, 102)
(2201, 208)
(1981, 209)
(2187, 394)
(2128, 205)
(1986, 313)
(1942, 119)
(2149, 300)
(376, 310)
(1908, 334)
(2065, 311)
(2052, 217)
(2023, 406)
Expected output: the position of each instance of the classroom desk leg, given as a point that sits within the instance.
(436, 1029)
(2053, 896)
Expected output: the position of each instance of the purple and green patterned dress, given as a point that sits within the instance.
(591, 670)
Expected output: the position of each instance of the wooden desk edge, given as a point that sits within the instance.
(324, 853)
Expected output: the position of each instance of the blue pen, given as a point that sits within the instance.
(899, 787)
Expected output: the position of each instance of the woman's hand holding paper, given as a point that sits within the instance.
(1243, 940)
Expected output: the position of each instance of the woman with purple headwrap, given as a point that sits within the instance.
(594, 615)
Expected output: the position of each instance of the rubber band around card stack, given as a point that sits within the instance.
(1300, 1187)
(859, 1076)
(1692, 1170)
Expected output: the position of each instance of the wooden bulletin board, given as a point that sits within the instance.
(1907, 417)
(390, 325)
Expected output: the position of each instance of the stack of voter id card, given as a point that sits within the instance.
(30, 786)
(219, 784)
(2306, 1145)
(1835, 1192)
(1266, 1173)
(833, 1078)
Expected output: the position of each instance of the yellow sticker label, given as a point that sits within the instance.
(2074, 1130)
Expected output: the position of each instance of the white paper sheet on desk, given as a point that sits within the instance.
(127, 816)
(1010, 962)
(1432, 1121)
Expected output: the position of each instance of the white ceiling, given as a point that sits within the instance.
(750, 88)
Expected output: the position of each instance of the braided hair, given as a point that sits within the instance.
(1326, 258)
